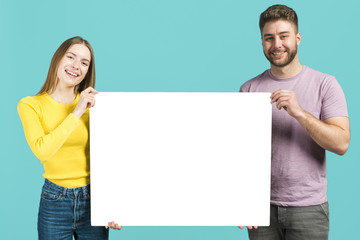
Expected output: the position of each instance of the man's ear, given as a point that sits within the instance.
(298, 38)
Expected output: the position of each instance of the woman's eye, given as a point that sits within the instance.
(85, 64)
(70, 57)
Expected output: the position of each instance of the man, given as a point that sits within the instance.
(309, 117)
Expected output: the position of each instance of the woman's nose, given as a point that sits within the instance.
(75, 64)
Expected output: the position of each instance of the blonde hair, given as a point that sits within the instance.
(52, 79)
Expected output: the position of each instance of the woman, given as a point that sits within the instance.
(56, 126)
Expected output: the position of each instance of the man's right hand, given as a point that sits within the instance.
(249, 227)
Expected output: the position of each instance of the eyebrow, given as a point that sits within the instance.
(84, 59)
(268, 34)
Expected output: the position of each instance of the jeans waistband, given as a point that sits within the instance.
(67, 191)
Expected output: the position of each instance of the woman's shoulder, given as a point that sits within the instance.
(32, 102)
(33, 99)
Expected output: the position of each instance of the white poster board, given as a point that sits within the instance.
(180, 159)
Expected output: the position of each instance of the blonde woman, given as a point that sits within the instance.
(56, 126)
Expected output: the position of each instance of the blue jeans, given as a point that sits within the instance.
(295, 223)
(65, 213)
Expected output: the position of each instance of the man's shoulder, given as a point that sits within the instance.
(260, 76)
(246, 86)
(317, 74)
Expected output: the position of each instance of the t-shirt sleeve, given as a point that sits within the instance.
(44, 146)
(245, 87)
(333, 100)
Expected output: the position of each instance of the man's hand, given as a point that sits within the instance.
(287, 99)
(332, 134)
(248, 227)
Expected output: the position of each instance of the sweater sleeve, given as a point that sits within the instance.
(44, 146)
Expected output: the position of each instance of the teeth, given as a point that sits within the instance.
(279, 53)
(71, 73)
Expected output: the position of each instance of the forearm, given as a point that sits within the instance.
(42, 143)
(45, 146)
(332, 134)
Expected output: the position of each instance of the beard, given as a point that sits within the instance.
(289, 59)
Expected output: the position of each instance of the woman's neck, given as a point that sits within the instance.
(63, 95)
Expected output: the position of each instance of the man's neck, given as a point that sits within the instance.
(288, 71)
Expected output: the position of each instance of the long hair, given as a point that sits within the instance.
(52, 79)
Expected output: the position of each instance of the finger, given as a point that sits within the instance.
(89, 100)
(283, 105)
(282, 101)
(276, 93)
(283, 98)
(91, 103)
(281, 91)
(85, 95)
(280, 95)
(252, 227)
(108, 225)
(241, 227)
(276, 96)
(91, 90)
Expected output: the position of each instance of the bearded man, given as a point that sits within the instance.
(309, 116)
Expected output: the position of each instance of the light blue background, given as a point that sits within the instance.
(159, 45)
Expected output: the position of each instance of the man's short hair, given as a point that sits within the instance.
(278, 12)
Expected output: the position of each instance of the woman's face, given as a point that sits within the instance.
(73, 66)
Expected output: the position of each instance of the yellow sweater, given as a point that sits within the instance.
(58, 138)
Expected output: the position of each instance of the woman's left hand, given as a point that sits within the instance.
(113, 225)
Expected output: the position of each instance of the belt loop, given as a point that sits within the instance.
(64, 191)
(278, 212)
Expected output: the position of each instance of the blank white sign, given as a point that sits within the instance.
(180, 159)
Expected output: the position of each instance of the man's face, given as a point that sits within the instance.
(280, 41)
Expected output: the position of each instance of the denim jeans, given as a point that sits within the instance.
(65, 213)
(295, 223)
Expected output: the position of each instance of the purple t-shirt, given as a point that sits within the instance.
(298, 163)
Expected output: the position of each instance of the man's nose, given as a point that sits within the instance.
(277, 43)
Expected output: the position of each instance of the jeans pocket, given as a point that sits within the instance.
(325, 208)
(50, 195)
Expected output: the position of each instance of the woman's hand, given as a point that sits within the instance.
(86, 100)
(113, 225)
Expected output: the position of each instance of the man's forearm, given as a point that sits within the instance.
(332, 134)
